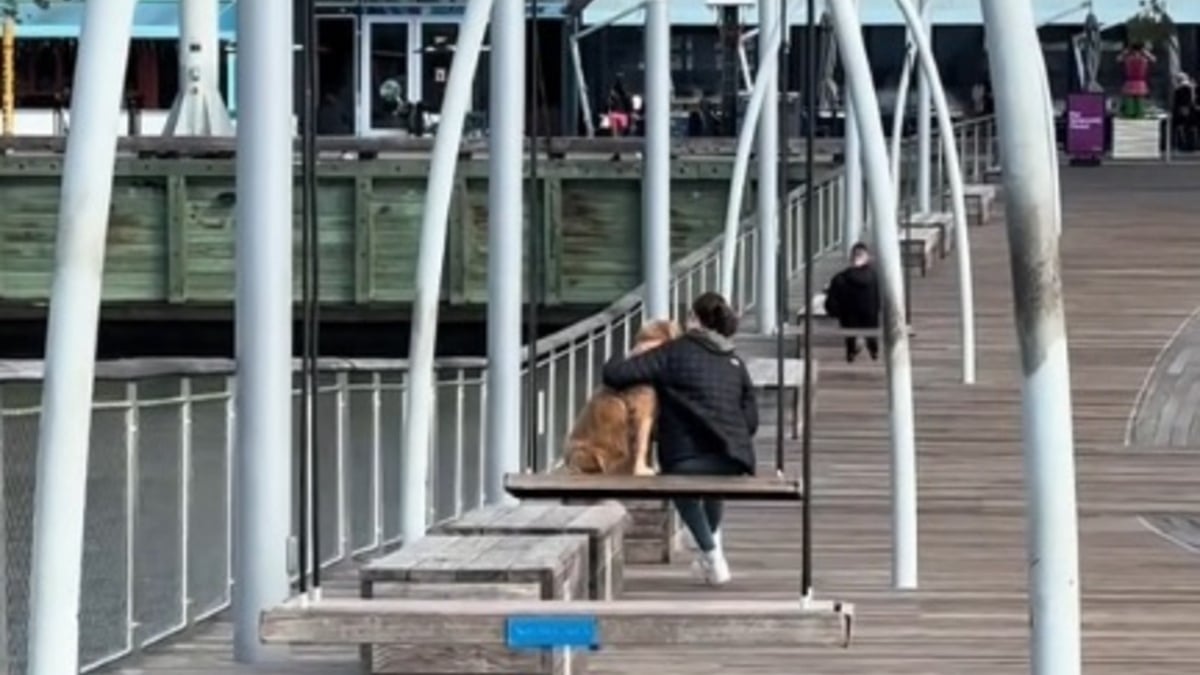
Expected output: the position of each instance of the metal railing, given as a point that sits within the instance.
(159, 512)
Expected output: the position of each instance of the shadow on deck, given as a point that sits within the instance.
(1129, 271)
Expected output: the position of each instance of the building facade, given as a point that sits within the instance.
(381, 58)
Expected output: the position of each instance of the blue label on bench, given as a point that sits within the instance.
(549, 632)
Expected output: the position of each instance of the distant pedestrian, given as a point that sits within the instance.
(853, 299)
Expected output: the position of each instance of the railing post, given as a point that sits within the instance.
(60, 500)
(460, 385)
(185, 496)
(230, 484)
(132, 457)
(344, 469)
(377, 459)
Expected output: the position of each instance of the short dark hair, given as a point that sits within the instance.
(860, 247)
(715, 314)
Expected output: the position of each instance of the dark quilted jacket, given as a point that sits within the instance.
(706, 399)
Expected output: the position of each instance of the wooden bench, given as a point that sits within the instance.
(605, 524)
(491, 626)
(454, 568)
(919, 245)
(760, 488)
(764, 373)
(979, 198)
(656, 534)
(942, 221)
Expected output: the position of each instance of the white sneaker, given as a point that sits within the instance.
(712, 568)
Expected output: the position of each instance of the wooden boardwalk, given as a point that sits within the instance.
(1130, 273)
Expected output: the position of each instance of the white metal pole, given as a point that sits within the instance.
(434, 225)
(656, 183)
(585, 103)
(60, 495)
(505, 218)
(900, 113)
(1053, 533)
(962, 244)
(1052, 155)
(895, 333)
(924, 133)
(263, 450)
(766, 309)
(741, 164)
(852, 210)
(199, 109)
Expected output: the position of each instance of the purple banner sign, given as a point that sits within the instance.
(1085, 126)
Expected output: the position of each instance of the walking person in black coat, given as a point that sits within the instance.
(707, 416)
(853, 299)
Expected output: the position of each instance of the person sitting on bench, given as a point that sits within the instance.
(853, 299)
(707, 416)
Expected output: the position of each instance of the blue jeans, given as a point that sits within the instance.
(703, 516)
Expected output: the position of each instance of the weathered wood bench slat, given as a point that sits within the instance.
(605, 525)
(450, 569)
(746, 488)
(622, 623)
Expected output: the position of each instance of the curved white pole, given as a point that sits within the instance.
(966, 292)
(1052, 158)
(852, 210)
(64, 429)
(899, 115)
(741, 161)
(1047, 434)
(895, 334)
(418, 432)
(924, 137)
(765, 309)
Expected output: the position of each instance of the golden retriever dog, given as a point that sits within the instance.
(612, 433)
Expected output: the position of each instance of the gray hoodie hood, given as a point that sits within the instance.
(711, 340)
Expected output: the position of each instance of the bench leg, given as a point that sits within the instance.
(797, 411)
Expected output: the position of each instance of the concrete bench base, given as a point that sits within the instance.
(604, 524)
(919, 246)
(651, 530)
(980, 199)
(449, 569)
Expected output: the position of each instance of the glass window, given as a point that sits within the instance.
(388, 77)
